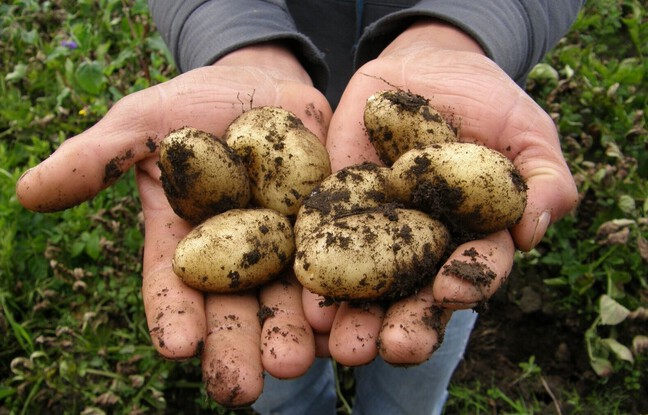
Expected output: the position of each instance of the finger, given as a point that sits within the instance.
(322, 345)
(206, 98)
(354, 333)
(320, 314)
(474, 271)
(175, 312)
(288, 344)
(232, 368)
(413, 329)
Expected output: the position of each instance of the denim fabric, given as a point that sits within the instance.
(313, 393)
(380, 387)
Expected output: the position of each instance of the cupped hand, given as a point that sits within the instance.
(236, 341)
(441, 63)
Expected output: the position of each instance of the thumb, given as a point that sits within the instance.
(93, 160)
(552, 193)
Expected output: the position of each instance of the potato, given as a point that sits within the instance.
(397, 121)
(466, 184)
(236, 250)
(369, 232)
(380, 253)
(350, 190)
(285, 160)
(201, 176)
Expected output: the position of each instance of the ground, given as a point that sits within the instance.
(519, 324)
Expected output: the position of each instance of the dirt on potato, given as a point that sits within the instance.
(200, 175)
(181, 177)
(408, 279)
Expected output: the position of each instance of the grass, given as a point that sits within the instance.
(70, 306)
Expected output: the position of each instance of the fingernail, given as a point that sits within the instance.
(22, 176)
(542, 223)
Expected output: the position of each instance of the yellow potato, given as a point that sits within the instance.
(347, 191)
(467, 185)
(201, 176)
(380, 253)
(285, 160)
(397, 121)
(236, 250)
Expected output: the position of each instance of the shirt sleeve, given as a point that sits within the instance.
(516, 34)
(199, 32)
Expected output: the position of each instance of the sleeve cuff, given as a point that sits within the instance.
(212, 29)
(514, 34)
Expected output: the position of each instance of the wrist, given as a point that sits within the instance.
(273, 58)
(431, 33)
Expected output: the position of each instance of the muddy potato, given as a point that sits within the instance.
(285, 160)
(201, 176)
(397, 121)
(386, 252)
(466, 184)
(347, 191)
(234, 251)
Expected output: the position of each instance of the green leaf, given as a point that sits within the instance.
(65, 92)
(601, 366)
(619, 350)
(5, 392)
(89, 76)
(30, 36)
(611, 312)
(93, 245)
(556, 282)
(629, 71)
(544, 72)
(19, 72)
(129, 349)
(22, 336)
(626, 203)
(77, 247)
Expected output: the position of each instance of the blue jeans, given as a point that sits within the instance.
(380, 387)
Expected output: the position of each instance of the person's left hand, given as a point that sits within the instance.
(443, 64)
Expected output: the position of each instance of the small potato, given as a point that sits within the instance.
(381, 253)
(285, 160)
(347, 191)
(398, 121)
(234, 251)
(467, 185)
(201, 176)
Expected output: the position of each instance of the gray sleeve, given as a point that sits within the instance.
(516, 34)
(199, 32)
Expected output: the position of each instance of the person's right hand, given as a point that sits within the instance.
(223, 329)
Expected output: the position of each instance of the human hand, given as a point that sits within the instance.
(225, 330)
(443, 64)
